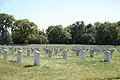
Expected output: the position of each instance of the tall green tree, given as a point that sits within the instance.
(89, 34)
(7, 38)
(40, 38)
(58, 35)
(66, 35)
(6, 23)
(23, 30)
(77, 29)
(81, 33)
(106, 33)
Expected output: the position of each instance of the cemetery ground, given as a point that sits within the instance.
(56, 68)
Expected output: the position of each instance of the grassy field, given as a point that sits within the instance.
(56, 68)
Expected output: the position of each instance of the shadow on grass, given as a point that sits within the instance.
(112, 78)
(13, 61)
(104, 61)
(104, 78)
(27, 66)
(59, 58)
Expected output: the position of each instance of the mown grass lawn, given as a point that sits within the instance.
(56, 68)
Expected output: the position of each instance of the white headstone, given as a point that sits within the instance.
(13, 50)
(65, 54)
(91, 53)
(77, 52)
(19, 57)
(46, 50)
(28, 52)
(38, 49)
(107, 56)
(5, 54)
(33, 51)
(49, 53)
(97, 52)
(55, 51)
(82, 55)
(0, 50)
(37, 58)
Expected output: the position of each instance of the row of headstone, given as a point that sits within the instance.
(80, 52)
(20, 57)
(52, 51)
(55, 50)
(77, 51)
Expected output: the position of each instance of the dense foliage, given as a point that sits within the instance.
(26, 32)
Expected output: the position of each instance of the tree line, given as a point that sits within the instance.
(23, 31)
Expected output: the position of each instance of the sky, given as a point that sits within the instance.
(62, 12)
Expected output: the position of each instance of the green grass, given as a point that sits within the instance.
(56, 68)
